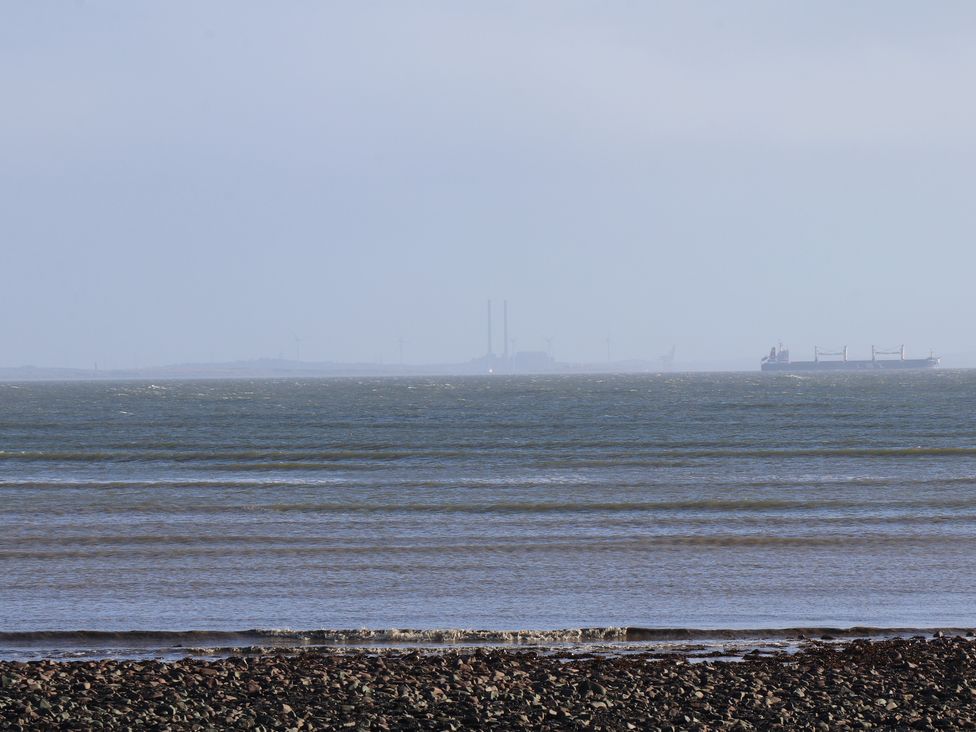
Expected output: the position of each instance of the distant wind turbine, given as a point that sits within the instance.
(667, 360)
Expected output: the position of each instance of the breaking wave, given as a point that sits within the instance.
(86, 644)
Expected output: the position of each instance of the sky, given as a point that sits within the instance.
(223, 180)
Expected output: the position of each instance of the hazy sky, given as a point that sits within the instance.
(187, 181)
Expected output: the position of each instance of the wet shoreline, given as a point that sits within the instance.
(899, 683)
(174, 645)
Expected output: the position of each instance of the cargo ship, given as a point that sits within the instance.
(779, 360)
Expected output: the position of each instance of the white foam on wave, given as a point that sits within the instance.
(456, 636)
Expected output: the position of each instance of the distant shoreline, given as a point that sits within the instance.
(41, 375)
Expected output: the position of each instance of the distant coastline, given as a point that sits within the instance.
(285, 369)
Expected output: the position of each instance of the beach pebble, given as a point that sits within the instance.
(890, 684)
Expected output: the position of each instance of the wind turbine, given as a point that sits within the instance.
(667, 360)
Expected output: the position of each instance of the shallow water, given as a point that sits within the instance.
(708, 501)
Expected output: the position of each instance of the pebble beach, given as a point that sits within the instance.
(904, 683)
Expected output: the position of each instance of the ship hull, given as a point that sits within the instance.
(876, 365)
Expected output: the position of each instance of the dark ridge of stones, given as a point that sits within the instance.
(900, 684)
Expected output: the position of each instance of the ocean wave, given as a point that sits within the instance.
(267, 547)
(556, 454)
(778, 511)
(446, 636)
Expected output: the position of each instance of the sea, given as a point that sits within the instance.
(278, 508)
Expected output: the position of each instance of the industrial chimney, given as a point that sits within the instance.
(490, 353)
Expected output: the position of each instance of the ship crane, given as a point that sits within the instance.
(900, 352)
(818, 352)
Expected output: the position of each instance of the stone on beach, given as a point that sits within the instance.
(891, 684)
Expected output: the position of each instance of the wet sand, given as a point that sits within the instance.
(915, 683)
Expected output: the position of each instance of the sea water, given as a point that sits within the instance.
(658, 500)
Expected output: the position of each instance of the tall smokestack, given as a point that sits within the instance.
(505, 328)
(489, 329)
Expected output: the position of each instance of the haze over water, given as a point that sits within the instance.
(715, 501)
(186, 182)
